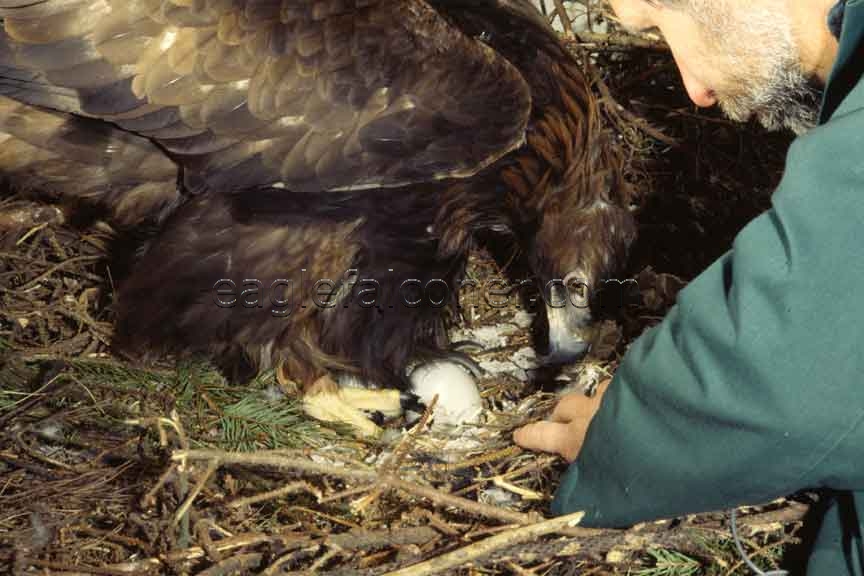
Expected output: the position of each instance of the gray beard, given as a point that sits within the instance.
(780, 96)
(789, 101)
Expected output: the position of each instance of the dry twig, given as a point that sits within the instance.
(278, 459)
(483, 548)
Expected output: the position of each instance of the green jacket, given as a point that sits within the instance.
(753, 385)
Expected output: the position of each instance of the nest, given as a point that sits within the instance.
(111, 469)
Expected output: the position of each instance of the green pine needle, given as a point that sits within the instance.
(257, 422)
(214, 413)
(670, 563)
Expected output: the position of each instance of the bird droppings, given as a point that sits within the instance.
(504, 367)
(497, 497)
(50, 430)
(523, 319)
(526, 358)
(274, 393)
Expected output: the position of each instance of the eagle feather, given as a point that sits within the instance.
(384, 136)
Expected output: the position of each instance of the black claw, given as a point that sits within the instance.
(463, 344)
(410, 401)
(467, 363)
(377, 418)
(455, 356)
(462, 479)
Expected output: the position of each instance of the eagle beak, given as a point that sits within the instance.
(570, 330)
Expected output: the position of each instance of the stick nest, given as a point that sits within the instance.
(109, 469)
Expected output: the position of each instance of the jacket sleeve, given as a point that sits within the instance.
(753, 385)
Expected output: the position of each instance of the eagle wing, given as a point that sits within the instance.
(315, 94)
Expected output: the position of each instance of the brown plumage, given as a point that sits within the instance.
(320, 136)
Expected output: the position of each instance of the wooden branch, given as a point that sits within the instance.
(279, 460)
(598, 543)
(616, 40)
(199, 486)
(394, 461)
(517, 543)
(485, 547)
(238, 564)
(470, 506)
(290, 488)
(121, 570)
(539, 464)
(564, 18)
(366, 540)
(503, 454)
(625, 114)
(616, 108)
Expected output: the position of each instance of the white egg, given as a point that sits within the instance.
(459, 399)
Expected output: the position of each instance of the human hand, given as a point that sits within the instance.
(564, 432)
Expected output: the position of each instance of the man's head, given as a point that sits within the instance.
(754, 58)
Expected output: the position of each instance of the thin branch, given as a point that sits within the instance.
(278, 459)
(485, 547)
(199, 486)
(593, 40)
(395, 460)
(291, 488)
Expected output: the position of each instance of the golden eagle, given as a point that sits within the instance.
(273, 144)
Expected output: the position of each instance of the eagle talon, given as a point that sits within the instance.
(332, 407)
(377, 418)
(453, 355)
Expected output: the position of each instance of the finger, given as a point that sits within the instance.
(552, 437)
(570, 407)
(577, 405)
(602, 386)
